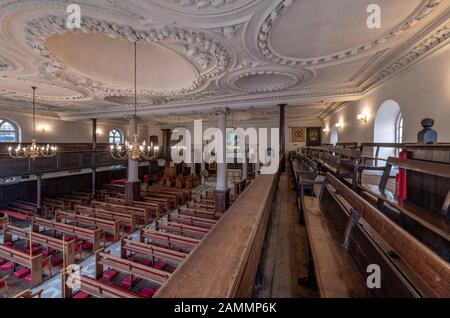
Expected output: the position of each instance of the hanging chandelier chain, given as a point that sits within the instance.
(133, 149)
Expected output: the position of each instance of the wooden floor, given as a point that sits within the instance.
(284, 258)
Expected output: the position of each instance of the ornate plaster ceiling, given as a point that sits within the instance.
(199, 55)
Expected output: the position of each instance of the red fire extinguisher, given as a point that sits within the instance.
(400, 178)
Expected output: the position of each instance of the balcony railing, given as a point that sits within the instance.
(80, 157)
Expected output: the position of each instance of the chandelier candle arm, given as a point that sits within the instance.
(32, 151)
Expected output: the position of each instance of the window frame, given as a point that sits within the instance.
(15, 130)
(114, 137)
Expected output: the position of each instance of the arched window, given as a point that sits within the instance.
(388, 128)
(334, 135)
(115, 136)
(399, 129)
(8, 131)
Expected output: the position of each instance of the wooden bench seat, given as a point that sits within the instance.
(430, 228)
(141, 213)
(97, 289)
(169, 239)
(157, 253)
(33, 263)
(182, 229)
(155, 208)
(356, 222)
(125, 266)
(207, 214)
(191, 220)
(107, 226)
(125, 219)
(66, 247)
(330, 260)
(92, 236)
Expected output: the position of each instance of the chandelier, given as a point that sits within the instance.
(135, 150)
(32, 151)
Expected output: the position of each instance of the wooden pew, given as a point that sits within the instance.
(103, 259)
(92, 236)
(124, 219)
(107, 226)
(3, 221)
(24, 207)
(67, 248)
(431, 229)
(187, 194)
(29, 294)
(34, 263)
(157, 253)
(96, 288)
(191, 220)
(347, 234)
(155, 208)
(172, 240)
(114, 188)
(207, 214)
(341, 162)
(181, 229)
(141, 213)
(304, 170)
(200, 206)
(16, 215)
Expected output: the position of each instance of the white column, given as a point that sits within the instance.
(133, 165)
(192, 160)
(244, 167)
(222, 182)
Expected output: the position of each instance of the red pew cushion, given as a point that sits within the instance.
(147, 292)
(9, 243)
(160, 265)
(110, 274)
(21, 273)
(2, 284)
(126, 282)
(49, 251)
(28, 279)
(87, 246)
(2, 261)
(145, 262)
(56, 261)
(7, 266)
(82, 294)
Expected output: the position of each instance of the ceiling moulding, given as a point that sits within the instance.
(200, 48)
(5, 65)
(207, 14)
(266, 79)
(265, 30)
(437, 39)
(334, 107)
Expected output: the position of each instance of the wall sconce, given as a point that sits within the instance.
(339, 126)
(99, 132)
(362, 118)
(43, 128)
(326, 130)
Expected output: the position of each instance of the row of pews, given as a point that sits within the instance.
(359, 223)
(146, 263)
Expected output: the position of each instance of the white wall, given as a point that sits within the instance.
(66, 131)
(422, 91)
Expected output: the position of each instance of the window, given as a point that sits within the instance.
(8, 131)
(115, 137)
(399, 129)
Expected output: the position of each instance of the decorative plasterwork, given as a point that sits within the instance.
(141, 100)
(412, 55)
(264, 45)
(266, 79)
(5, 65)
(200, 47)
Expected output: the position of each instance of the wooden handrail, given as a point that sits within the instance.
(224, 263)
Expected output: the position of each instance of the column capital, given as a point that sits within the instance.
(223, 111)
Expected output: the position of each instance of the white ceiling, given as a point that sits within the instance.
(195, 56)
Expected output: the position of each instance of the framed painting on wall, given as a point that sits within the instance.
(298, 134)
